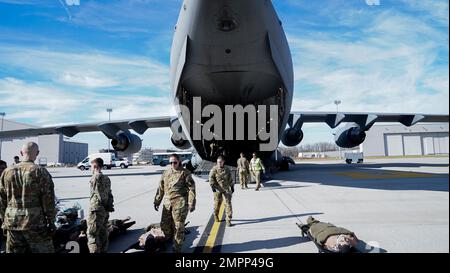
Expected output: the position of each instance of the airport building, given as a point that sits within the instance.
(399, 140)
(54, 149)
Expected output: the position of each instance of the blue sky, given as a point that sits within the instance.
(63, 63)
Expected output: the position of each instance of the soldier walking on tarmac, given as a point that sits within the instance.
(243, 169)
(222, 185)
(177, 188)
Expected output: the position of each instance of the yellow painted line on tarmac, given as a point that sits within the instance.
(384, 175)
(214, 231)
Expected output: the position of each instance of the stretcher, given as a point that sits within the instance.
(305, 233)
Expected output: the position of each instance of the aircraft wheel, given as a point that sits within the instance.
(284, 165)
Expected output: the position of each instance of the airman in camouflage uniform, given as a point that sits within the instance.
(177, 188)
(3, 167)
(222, 185)
(101, 204)
(27, 205)
(243, 169)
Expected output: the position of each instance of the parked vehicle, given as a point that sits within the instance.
(162, 159)
(354, 158)
(123, 163)
(109, 160)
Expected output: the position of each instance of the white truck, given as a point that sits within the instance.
(109, 160)
(354, 158)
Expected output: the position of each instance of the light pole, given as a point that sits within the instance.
(337, 102)
(109, 110)
(2, 114)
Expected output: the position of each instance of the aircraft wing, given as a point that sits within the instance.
(364, 120)
(108, 128)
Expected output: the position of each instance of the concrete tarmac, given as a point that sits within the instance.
(400, 205)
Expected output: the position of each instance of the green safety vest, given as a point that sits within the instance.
(257, 165)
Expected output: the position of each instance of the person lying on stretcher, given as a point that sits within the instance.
(153, 240)
(330, 237)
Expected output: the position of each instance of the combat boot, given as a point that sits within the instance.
(216, 218)
(176, 248)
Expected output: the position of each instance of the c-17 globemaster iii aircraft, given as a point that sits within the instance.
(232, 53)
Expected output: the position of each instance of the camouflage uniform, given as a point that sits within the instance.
(322, 231)
(178, 188)
(243, 168)
(27, 208)
(101, 204)
(2, 168)
(221, 181)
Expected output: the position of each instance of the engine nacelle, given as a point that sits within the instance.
(127, 143)
(193, 163)
(292, 137)
(350, 137)
(178, 138)
(180, 143)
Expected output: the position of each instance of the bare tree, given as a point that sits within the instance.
(289, 151)
(318, 147)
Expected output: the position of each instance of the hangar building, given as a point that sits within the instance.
(399, 140)
(53, 148)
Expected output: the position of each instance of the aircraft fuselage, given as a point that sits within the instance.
(230, 52)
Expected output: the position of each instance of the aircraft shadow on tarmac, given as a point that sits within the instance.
(111, 175)
(252, 246)
(121, 243)
(367, 176)
(240, 222)
(276, 185)
(373, 165)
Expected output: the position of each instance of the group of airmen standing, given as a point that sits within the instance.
(28, 207)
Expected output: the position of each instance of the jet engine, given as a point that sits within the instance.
(178, 138)
(292, 137)
(126, 142)
(180, 142)
(193, 163)
(350, 137)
